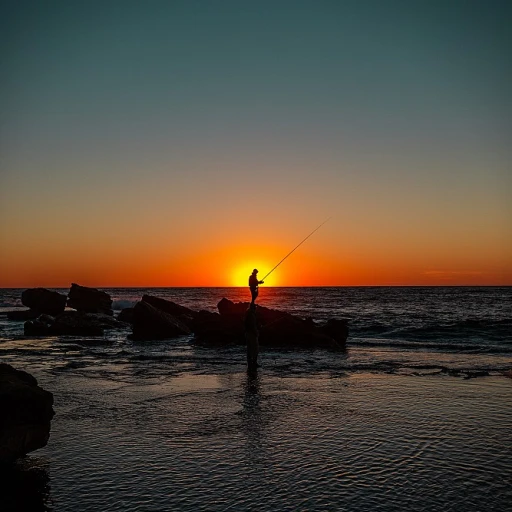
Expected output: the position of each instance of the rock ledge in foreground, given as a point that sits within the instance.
(26, 411)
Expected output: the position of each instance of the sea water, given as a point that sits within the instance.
(168, 425)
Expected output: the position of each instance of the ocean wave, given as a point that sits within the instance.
(453, 347)
(486, 329)
(120, 304)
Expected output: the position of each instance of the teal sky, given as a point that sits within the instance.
(391, 116)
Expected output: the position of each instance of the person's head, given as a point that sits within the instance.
(255, 271)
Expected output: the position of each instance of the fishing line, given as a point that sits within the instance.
(316, 229)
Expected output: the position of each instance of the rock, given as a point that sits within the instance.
(337, 330)
(89, 300)
(39, 327)
(71, 323)
(150, 323)
(102, 320)
(277, 328)
(126, 315)
(182, 313)
(213, 328)
(25, 414)
(76, 323)
(20, 316)
(231, 309)
(44, 301)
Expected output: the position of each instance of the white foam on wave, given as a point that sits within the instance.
(118, 305)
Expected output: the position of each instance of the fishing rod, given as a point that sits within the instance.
(316, 229)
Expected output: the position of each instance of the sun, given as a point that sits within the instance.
(240, 275)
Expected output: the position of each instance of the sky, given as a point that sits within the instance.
(184, 143)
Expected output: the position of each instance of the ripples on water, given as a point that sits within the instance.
(170, 426)
(226, 442)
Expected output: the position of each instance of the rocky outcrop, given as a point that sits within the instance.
(156, 318)
(215, 329)
(126, 315)
(337, 330)
(39, 327)
(89, 300)
(22, 315)
(150, 323)
(44, 301)
(25, 414)
(182, 313)
(72, 323)
(276, 328)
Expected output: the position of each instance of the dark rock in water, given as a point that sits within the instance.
(182, 313)
(150, 323)
(125, 315)
(44, 301)
(231, 309)
(101, 320)
(89, 300)
(337, 330)
(72, 323)
(39, 327)
(281, 329)
(75, 323)
(20, 316)
(25, 414)
(289, 331)
(213, 328)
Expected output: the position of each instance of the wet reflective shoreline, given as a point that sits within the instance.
(235, 441)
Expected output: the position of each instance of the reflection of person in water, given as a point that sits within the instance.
(251, 337)
(253, 422)
(253, 284)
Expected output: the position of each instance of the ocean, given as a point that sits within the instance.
(414, 415)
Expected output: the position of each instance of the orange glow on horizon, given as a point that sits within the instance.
(221, 261)
(242, 272)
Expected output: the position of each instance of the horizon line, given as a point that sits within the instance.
(290, 286)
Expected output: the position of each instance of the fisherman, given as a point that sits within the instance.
(251, 337)
(253, 284)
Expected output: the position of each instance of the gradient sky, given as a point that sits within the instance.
(182, 143)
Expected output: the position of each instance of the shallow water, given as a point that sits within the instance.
(231, 442)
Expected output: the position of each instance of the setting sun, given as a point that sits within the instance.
(241, 273)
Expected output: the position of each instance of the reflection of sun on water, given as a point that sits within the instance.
(241, 273)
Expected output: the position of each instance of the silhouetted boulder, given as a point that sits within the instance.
(231, 309)
(126, 315)
(25, 414)
(337, 329)
(75, 323)
(279, 328)
(89, 300)
(72, 323)
(182, 313)
(22, 315)
(213, 328)
(150, 323)
(44, 301)
(39, 327)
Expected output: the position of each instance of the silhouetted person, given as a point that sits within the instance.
(251, 337)
(253, 285)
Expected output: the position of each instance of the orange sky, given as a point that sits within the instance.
(177, 146)
(331, 257)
